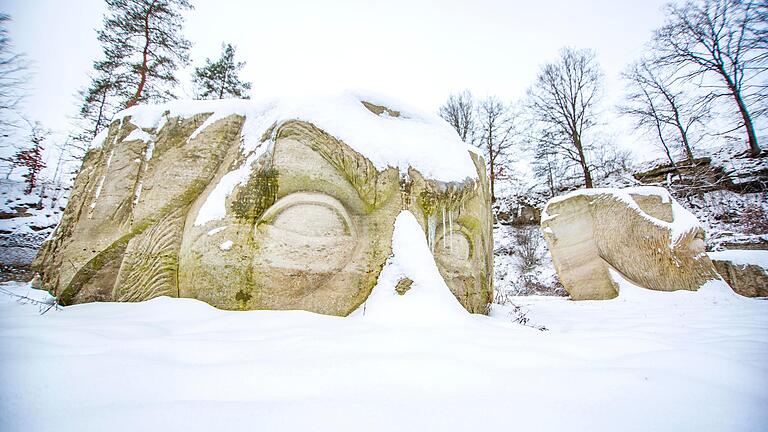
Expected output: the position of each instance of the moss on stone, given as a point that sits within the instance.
(92, 267)
(257, 195)
(470, 222)
(403, 285)
(431, 200)
(243, 297)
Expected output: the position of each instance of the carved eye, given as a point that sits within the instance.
(309, 214)
(312, 219)
(306, 231)
(454, 245)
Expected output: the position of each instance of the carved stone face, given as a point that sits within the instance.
(318, 236)
(307, 226)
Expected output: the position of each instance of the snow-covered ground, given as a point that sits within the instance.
(646, 361)
(743, 257)
(26, 220)
(522, 264)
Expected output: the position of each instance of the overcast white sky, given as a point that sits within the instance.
(417, 51)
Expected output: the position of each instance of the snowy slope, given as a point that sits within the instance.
(26, 220)
(428, 299)
(646, 361)
(743, 257)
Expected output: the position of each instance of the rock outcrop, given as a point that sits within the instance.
(640, 232)
(280, 205)
(746, 271)
(726, 169)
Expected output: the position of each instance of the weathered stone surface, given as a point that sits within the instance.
(744, 270)
(310, 228)
(747, 280)
(523, 214)
(641, 233)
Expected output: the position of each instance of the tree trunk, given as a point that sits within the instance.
(223, 85)
(492, 175)
(754, 148)
(657, 123)
(583, 161)
(664, 143)
(144, 61)
(551, 180)
(100, 118)
(681, 129)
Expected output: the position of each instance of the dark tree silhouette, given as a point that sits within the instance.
(12, 69)
(143, 47)
(495, 133)
(657, 104)
(722, 39)
(459, 112)
(563, 101)
(218, 80)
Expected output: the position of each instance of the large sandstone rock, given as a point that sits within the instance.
(746, 271)
(268, 206)
(640, 232)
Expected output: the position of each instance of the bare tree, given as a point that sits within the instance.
(547, 164)
(611, 161)
(459, 112)
(723, 39)
(495, 136)
(563, 101)
(657, 104)
(12, 68)
(647, 113)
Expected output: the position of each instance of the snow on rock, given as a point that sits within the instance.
(225, 246)
(413, 139)
(715, 290)
(429, 300)
(98, 140)
(742, 257)
(137, 193)
(139, 135)
(214, 206)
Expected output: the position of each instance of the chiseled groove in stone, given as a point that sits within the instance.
(359, 171)
(149, 268)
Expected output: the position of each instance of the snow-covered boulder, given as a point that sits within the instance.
(280, 204)
(641, 232)
(746, 271)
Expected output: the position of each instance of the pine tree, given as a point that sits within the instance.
(99, 103)
(218, 80)
(143, 47)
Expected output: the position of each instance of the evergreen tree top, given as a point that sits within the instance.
(219, 79)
